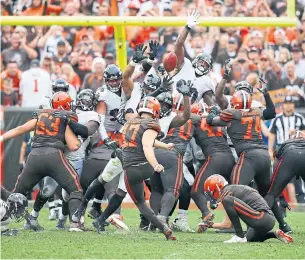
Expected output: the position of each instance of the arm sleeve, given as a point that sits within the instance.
(269, 112)
(79, 129)
(226, 115)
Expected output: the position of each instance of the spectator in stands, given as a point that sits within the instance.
(47, 64)
(19, 52)
(50, 40)
(266, 73)
(72, 77)
(242, 65)
(6, 34)
(8, 96)
(95, 80)
(229, 52)
(61, 56)
(293, 84)
(35, 87)
(280, 41)
(40, 7)
(299, 62)
(12, 72)
(253, 55)
(71, 9)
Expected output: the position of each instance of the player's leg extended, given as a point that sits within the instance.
(171, 180)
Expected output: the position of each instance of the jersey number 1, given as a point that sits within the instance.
(35, 85)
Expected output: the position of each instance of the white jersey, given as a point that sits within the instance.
(83, 118)
(35, 88)
(135, 98)
(5, 216)
(202, 84)
(165, 123)
(113, 103)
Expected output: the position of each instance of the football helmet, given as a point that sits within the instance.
(241, 100)
(113, 78)
(17, 205)
(166, 102)
(149, 105)
(151, 83)
(60, 85)
(61, 100)
(214, 185)
(202, 64)
(244, 85)
(86, 100)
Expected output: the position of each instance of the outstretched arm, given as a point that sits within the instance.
(269, 111)
(27, 127)
(221, 99)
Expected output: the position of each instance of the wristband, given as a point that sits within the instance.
(1, 138)
(149, 61)
(132, 63)
(188, 28)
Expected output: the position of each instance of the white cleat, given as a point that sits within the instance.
(236, 239)
(117, 221)
(181, 224)
(76, 227)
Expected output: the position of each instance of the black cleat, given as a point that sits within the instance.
(10, 232)
(94, 213)
(144, 224)
(286, 228)
(100, 227)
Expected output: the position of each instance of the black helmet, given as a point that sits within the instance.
(113, 78)
(202, 64)
(244, 85)
(86, 100)
(166, 101)
(17, 205)
(151, 82)
(60, 85)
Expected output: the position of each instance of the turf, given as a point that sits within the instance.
(62, 244)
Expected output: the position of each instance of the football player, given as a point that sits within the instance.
(139, 161)
(14, 206)
(53, 128)
(290, 163)
(245, 203)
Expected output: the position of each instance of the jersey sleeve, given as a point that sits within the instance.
(73, 116)
(101, 93)
(272, 127)
(151, 124)
(226, 115)
(93, 116)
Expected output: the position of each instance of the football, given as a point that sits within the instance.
(170, 61)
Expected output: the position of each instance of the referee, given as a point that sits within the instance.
(282, 127)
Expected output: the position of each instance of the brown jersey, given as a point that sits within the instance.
(180, 136)
(50, 128)
(211, 139)
(244, 129)
(246, 194)
(132, 147)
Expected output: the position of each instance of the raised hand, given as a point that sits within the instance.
(166, 84)
(138, 55)
(228, 68)
(153, 49)
(184, 87)
(192, 19)
(263, 89)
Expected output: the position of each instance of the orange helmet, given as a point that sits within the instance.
(241, 100)
(178, 102)
(61, 100)
(196, 108)
(150, 105)
(214, 185)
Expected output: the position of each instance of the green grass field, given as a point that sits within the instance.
(136, 244)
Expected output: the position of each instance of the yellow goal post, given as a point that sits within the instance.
(118, 22)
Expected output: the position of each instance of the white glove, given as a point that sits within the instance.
(192, 19)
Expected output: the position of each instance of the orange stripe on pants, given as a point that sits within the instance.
(200, 173)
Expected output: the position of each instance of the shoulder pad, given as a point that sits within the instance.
(152, 124)
(101, 93)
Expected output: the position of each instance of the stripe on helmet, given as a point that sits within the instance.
(144, 102)
(245, 100)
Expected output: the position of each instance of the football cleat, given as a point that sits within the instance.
(144, 224)
(117, 221)
(94, 213)
(286, 228)
(61, 224)
(236, 239)
(99, 226)
(10, 232)
(31, 223)
(181, 224)
(280, 235)
(77, 227)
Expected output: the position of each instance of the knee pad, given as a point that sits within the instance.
(65, 195)
(112, 169)
(47, 191)
(76, 195)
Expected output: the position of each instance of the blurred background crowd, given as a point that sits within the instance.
(80, 54)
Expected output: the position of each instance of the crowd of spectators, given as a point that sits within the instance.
(80, 54)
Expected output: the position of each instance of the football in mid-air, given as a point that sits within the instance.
(170, 61)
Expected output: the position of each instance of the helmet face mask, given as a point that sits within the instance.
(113, 78)
(18, 206)
(202, 64)
(244, 85)
(86, 100)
